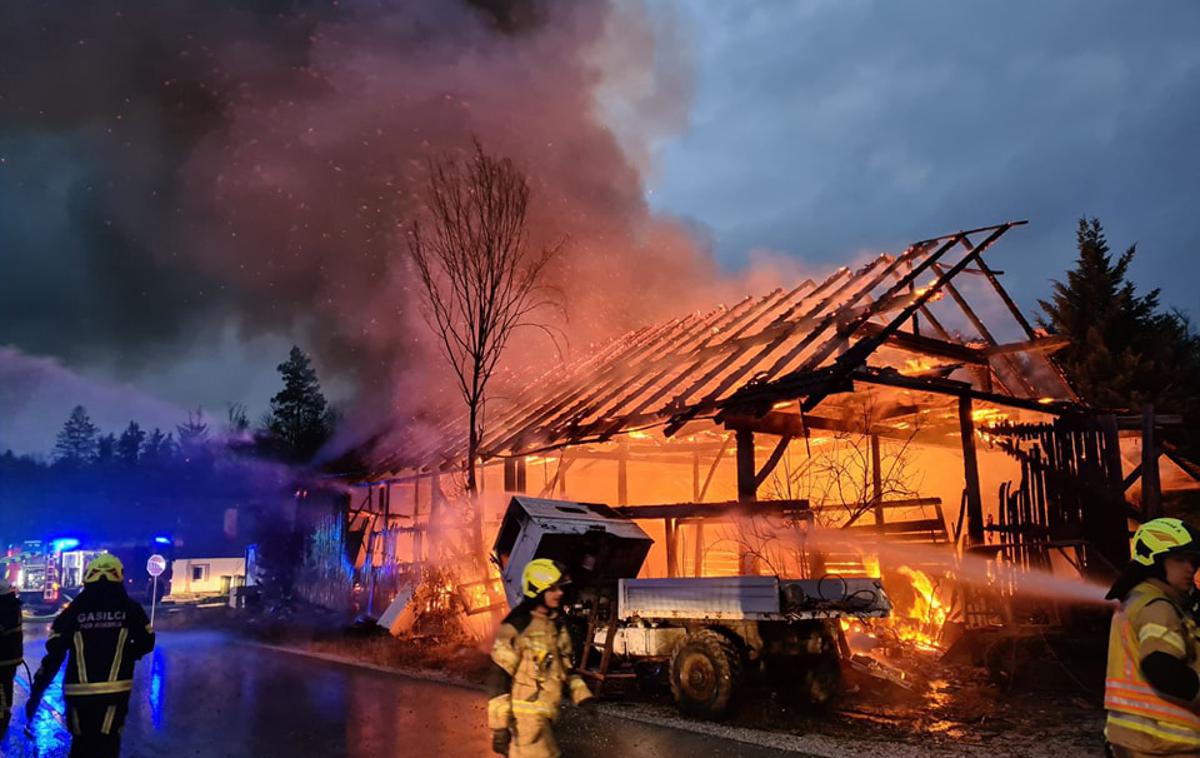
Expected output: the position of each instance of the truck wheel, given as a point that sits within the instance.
(706, 670)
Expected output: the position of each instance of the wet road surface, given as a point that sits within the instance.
(204, 694)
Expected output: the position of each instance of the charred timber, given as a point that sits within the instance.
(715, 510)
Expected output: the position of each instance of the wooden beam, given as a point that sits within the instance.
(1036, 345)
(772, 461)
(1134, 475)
(915, 343)
(714, 510)
(905, 502)
(713, 468)
(1151, 487)
(858, 354)
(747, 485)
(970, 473)
(960, 389)
(902, 527)
(790, 424)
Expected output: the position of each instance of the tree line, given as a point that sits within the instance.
(103, 482)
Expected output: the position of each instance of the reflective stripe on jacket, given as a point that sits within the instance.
(534, 650)
(101, 634)
(1139, 718)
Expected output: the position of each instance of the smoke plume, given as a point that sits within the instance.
(175, 165)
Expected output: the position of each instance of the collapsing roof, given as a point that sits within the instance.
(873, 325)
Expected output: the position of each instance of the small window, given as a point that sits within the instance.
(571, 509)
(200, 573)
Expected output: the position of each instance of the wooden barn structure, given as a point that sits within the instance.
(908, 399)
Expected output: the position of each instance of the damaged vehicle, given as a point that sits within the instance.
(707, 635)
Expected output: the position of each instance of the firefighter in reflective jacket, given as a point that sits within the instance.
(1152, 688)
(531, 665)
(103, 632)
(12, 649)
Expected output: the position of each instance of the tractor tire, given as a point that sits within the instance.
(706, 672)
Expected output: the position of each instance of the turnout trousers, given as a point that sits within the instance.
(95, 723)
(7, 675)
(533, 737)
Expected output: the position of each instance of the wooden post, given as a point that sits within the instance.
(966, 427)
(695, 477)
(419, 530)
(521, 484)
(747, 488)
(698, 551)
(672, 546)
(510, 474)
(623, 475)
(1151, 487)
(876, 482)
(1115, 526)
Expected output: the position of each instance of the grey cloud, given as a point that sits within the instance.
(825, 128)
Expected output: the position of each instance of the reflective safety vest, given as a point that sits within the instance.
(1134, 707)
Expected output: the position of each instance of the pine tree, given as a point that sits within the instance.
(129, 446)
(159, 449)
(106, 447)
(76, 443)
(299, 419)
(1123, 351)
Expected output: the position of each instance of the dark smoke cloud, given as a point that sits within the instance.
(172, 165)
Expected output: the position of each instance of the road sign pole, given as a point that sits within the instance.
(153, 600)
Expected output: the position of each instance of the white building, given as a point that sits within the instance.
(206, 576)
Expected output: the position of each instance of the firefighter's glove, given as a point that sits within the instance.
(501, 739)
(36, 690)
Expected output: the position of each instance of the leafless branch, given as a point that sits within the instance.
(480, 275)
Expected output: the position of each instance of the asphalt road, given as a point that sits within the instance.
(204, 694)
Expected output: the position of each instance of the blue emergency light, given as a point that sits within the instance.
(64, 543)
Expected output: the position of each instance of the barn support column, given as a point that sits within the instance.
(1151, 487)
(877, 478)
(747, 492)
(1113, 537)
(747, 484)
(966, 425)
(419, 528)
(672, 534)
(514, 474)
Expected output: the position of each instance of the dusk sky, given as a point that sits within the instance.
(819, 130)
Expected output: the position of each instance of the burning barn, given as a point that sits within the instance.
(903, 418)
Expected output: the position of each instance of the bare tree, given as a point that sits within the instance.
(481, 275)
(837, 475)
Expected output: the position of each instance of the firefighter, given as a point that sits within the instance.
(103, 632)
(12, 649)
(531, 665)
(1152, 689)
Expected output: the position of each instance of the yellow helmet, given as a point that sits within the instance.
(540, 575)
(104, 566)
(1161, 537)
